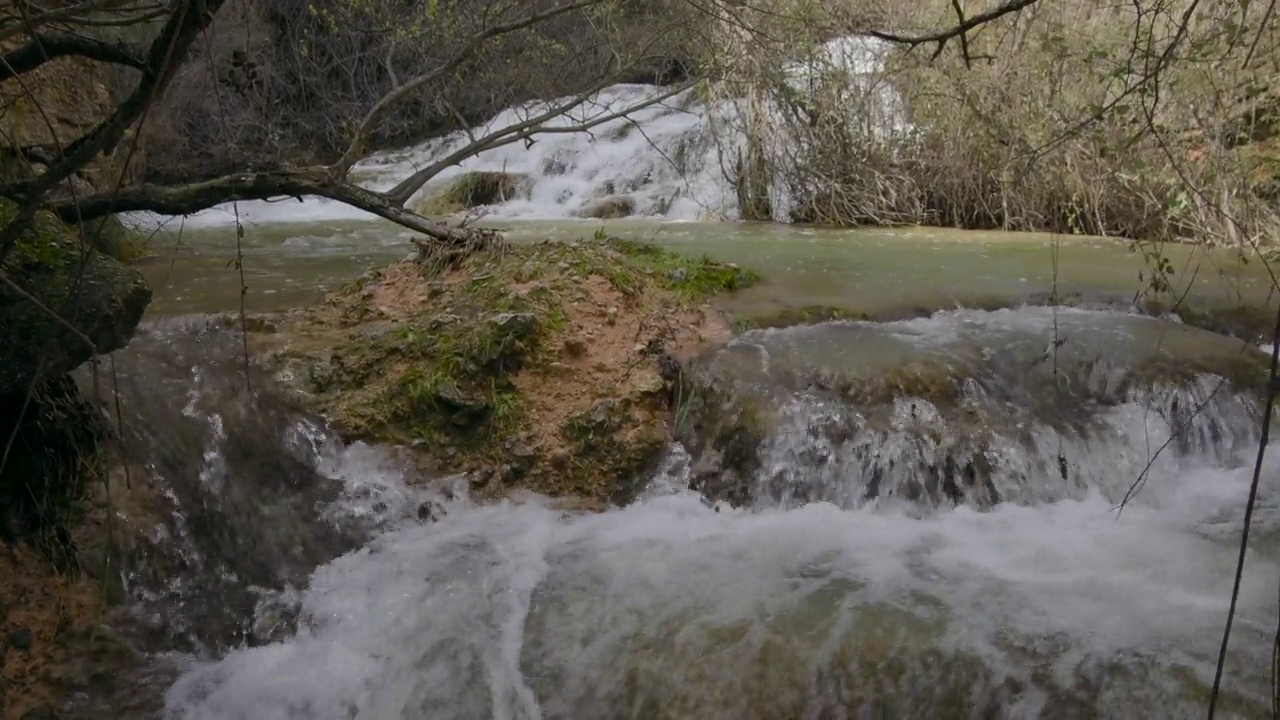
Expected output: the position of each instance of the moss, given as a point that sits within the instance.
(690, 278)
(612, 450)
(102, 300)
(790, 316)
(112, 237)
(1251, 323)
(472, 190)
(469, 360)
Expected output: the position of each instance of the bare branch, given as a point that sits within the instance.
(187, 199)
(359, 140)
(189, 18)
(525, 130)
(43, 48)
(958, 30)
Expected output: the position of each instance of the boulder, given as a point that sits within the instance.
(608, 208)
(61, 303)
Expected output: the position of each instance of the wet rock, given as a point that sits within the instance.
(431, 511)
(517, 324)
(609, 208)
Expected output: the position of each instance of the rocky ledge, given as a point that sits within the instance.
(548, 367)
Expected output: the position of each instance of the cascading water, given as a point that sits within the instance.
(921, 519)
(673, 158)
(1047, 603)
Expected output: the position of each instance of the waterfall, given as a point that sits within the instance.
(805, 600)
(673, 160)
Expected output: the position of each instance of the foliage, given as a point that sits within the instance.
(1054, 118)
(296, 78)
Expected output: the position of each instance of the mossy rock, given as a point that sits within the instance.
(609, 208)
(497, 363)
(473, 190)
(112, 237)
(70, 303)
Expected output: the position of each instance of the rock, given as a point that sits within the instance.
(103, 302)
(648, 382)
(20, 638)
(431, 511)
(517, 324)
(601, 414)
(467, 410)
(559, 459)
(609, 208)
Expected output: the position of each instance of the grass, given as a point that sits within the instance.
(691, 279)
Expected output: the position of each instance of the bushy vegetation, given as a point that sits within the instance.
(1076, 117)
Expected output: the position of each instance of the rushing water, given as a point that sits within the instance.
(1048, 604)
(844, 581)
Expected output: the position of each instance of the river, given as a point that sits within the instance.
(851, 585)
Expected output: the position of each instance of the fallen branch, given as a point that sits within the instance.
(313, 182)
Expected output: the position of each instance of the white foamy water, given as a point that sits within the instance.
(673, 159)
(670, 609)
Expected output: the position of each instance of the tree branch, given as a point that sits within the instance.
(958, 30)
(188, 199)
(62, 14)
(523, 131)
(43, 48)
(355, 151)
(189, 19)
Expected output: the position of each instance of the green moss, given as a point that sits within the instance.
(471, 190)
(690, 278)
(71, 285)
(457, 370)
(112, 237)
(609, 449)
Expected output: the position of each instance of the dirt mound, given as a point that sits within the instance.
(547, 367)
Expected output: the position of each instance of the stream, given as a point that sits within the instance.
(865, 577)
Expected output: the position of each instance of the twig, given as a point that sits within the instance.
(1248, 514)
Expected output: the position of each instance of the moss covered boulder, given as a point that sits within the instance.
(473, 190)
(61, 302)
(548, 367)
